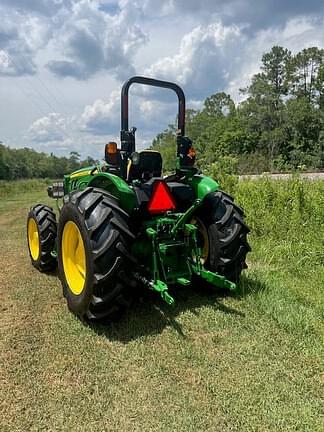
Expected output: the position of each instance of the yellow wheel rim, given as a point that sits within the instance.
(203, 241)
(33, 239)
(73, 258)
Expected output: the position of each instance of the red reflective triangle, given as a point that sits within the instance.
(161, 199)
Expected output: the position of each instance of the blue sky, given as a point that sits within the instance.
(62, 62)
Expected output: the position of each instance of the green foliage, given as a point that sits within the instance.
(27, 163)
(282, 206)
(279, 126)
(258, 163)
(307, 74)
(224, 170)
(219, 105)
(276, 72)
(13, 188)
(165, 144)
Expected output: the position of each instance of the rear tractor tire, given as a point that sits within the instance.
(223, 235)
(93, 244)
(41, 237)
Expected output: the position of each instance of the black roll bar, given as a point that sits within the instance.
(154, 83)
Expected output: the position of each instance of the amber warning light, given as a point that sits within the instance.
(161, 199)
(111, 147)
(111, 153)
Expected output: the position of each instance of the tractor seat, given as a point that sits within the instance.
(149, 164)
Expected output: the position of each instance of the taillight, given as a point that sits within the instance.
(161, 199)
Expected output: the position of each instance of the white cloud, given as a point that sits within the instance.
(48, 129)
(43, 7)
(155, 113)
(203, 60)
(218, 57)
(101, 117)
(91, 40)
(261, 14)
(21, 37)
(4, 61)
(61, 135)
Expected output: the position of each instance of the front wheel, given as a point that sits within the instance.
(222, 235)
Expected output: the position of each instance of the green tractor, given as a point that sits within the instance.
(122, 225)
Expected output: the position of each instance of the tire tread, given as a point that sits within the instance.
(106, 225)
(45, 219)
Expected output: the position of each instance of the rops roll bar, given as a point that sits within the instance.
(154, 83)
(127, 137)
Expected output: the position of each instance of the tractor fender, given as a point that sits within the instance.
(117, 187)
(202, 185)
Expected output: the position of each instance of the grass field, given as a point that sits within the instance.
(252, 362)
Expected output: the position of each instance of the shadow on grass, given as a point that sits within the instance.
(52, 273)
(150, 315)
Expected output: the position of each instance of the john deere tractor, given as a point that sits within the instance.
(122, 225)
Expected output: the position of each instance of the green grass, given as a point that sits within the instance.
(10, 189)
(253, 362)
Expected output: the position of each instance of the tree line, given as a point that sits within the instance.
(277, 127)
(27, 163)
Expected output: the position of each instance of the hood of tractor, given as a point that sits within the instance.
(82, 172)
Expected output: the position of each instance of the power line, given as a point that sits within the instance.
(49, 91)
(41, 96)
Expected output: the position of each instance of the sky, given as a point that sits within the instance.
(63, 62)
